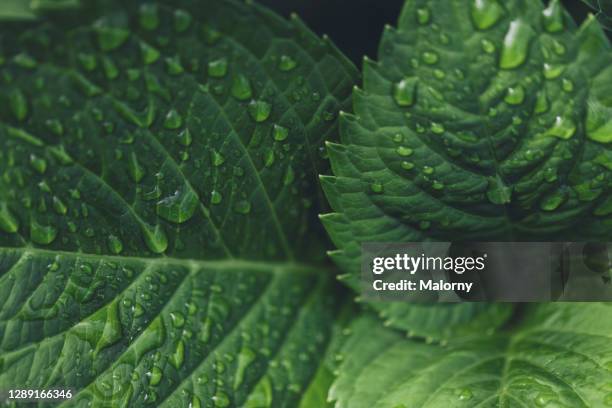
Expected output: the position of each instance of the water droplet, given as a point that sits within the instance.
(59, 206)
(406, 165)
(155, 238)
(485, 13)
(182, 20)
(173, 66)
(216, 158)
(464, 394)
(242, 207)
(286, 63)
(215, 197)
(437, 185)
(19, 105)
(246, 357)
(110, 38)
(218, 68)
(423, 15)
(8, 222)
(541, 105)
(155, 376)
(39, 164)
(280, 133)
(221, 400)
(428, 170)
(515, 95)
(430, 57)
(148, 53)
(377, 188)
(178, 207)
(289, 176)
(439, 74)
(553, 201)
(185, 138)
(487, 46)
(404, 151)
(178, 357)
(114, 244)
(173, 120)
(42, 234)
(563, 128)
(136, 171)
(553, 17)
(516, 45)
(437, 128)
(55, 126)
(25, 61)
(148, 16)
(178, 320)
(404, 91)
(241, 88)
(269, 158)
(552, 71)
(259, 110)
(567, 85)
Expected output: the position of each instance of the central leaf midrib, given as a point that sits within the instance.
(233, 263)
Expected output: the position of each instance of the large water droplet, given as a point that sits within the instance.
(516, 45)
(404, 91)
(286, 63)
(279, 133)
(59, 206)
(155, 238)
(148, 53)
(178, 357)
(115, 245)
(246, 357)
(8, 222)
(541, 105)
(485, 13)
(110, 38)
(563, 128)
(155, 376)
(218, 68)
(173, 120)
(259, 110)
(515, 95)
(42, 234)
(178, 207)
(185, 138)
(404, 151)
(38, 163)
(553, 17)
(377, 188)
(241, 88)
(430, 57)
(423, 15)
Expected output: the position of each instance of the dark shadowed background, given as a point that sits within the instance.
(356, 25)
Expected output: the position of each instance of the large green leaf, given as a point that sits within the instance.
(560, 356)
(158, 201)
(482, 121)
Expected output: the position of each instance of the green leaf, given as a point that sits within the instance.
(482, 121)
(32, 9)
(560, 356)
(158, 240)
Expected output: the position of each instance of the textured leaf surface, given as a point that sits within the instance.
(482, 121)
(561, 356)
(158, 202)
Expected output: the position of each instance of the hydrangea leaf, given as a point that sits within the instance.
(560, 356)
(158, 202)
(481, 121)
